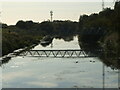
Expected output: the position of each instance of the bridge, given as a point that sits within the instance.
(56, 53)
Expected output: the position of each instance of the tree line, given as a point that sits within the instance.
(57, 27)
(102, 31)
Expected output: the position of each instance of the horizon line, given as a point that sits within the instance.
(56, 1)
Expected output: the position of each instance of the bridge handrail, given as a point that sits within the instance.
(63, 50)
(59, 50)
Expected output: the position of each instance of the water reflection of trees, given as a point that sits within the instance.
(108, 57)
(65, 38)
(92, 48)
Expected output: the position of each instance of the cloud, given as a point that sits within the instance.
(43, 84)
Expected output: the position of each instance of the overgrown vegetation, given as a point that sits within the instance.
(12, 39)
(102, 30)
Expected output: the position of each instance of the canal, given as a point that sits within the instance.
(49, 72)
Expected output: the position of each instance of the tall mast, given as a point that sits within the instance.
(51, 14)
(103, 4)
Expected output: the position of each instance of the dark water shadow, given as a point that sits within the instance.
(5, 60)
(47, 40)
(109, 58)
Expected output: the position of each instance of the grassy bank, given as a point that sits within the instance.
(14, 38)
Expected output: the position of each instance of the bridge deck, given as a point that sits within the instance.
(56, 53)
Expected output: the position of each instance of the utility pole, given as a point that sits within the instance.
(51, 14)
(103, 76)
(103, 4)
(115, 1)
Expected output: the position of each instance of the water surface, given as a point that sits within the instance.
(42, 72)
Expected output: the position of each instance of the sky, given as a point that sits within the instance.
(38, 10)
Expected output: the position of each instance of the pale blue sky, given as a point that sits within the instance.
(39, 11)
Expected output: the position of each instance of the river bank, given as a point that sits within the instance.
(15, 53)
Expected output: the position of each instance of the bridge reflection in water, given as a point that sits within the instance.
(57, 53)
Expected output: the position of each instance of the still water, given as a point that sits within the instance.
(49, 72)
